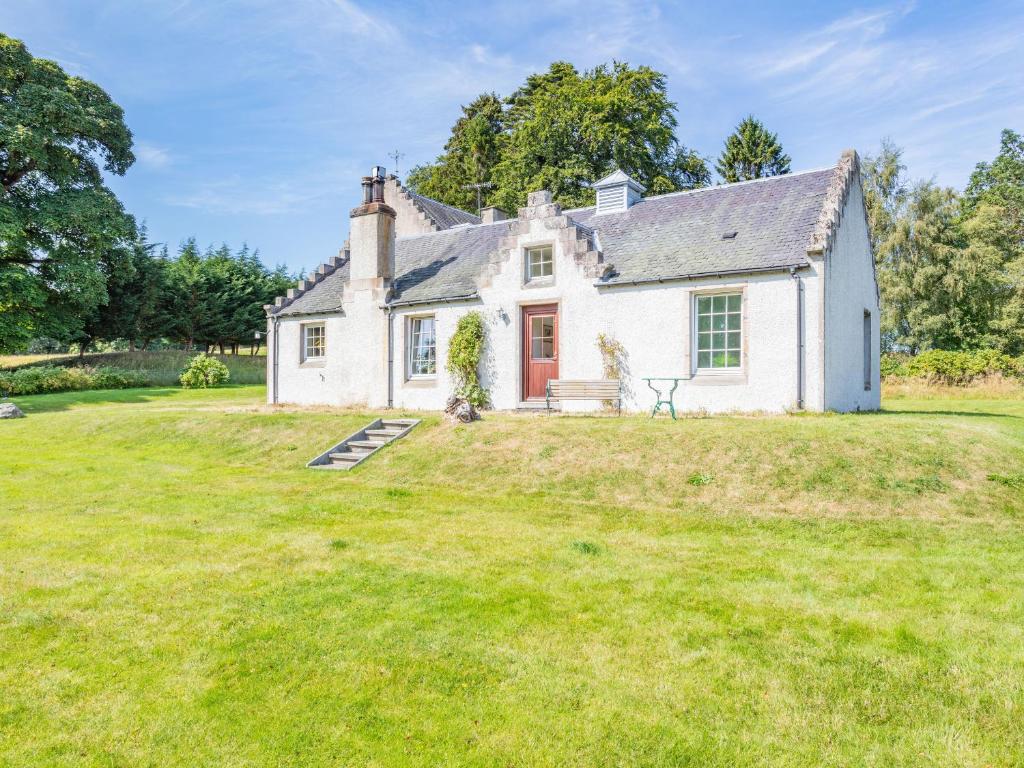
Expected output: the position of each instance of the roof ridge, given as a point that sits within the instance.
(456, 228)
(441, 203)
(729, 185)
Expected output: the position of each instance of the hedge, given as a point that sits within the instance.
(952, 367)
(40, 379)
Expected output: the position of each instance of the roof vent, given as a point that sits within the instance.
(617, 192)
(729, 235)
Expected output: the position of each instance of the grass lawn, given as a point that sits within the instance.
(819, 590)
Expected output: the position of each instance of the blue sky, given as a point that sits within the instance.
(254, 119)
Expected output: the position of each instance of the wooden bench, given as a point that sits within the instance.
(585, 389)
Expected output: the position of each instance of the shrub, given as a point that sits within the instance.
(41, 379)
(957, 368)
(464, 353)
(203, 371)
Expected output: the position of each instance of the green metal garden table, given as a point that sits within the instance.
(663, 398)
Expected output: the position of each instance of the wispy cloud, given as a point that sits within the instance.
(150, 155)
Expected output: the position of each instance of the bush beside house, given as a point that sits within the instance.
(953, 368)
(38, 380)
(203, 372)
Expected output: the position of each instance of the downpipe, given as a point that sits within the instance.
(391, 358)
(799, 337)
(277, 348)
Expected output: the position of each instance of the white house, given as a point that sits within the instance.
(759, 296)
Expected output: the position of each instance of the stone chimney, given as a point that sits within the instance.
(491, 214)
(372, 232)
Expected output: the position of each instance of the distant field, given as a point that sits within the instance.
(176, 589)
(163, 366)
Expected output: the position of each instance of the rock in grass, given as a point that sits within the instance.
(10, 411)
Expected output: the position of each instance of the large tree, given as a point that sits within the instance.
(470, 154)
(561, 131)
(751, 152)
(61, 230)
(941, 277)
(566, 129)
(994, 223)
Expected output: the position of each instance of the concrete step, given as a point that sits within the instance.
(354, 449)
(371, 444)
(346, 457)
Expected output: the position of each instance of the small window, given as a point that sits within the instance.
(314, 338)
(539, 262)
(867, 350)
(422, 355)
(719, 331)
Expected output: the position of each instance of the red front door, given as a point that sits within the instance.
(540, 349)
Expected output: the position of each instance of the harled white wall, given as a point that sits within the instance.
(849, 292)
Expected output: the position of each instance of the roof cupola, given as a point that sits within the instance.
(617, 192)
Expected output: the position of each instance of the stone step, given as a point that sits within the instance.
(346, 457)
(371, 444)
(352, 450)
(397, 423)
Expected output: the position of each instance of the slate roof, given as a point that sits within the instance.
(669, 236)
(322, 298)
(681, 233)
(445, 216)
(446, 264)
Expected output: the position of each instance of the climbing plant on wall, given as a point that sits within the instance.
(465, 351)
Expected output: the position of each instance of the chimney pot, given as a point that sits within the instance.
(367, 189)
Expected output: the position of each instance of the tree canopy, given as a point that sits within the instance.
(62, 232)
(751, 152)
(950, 267)
(562, 130)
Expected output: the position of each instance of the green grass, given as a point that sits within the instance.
(162, 367)
(177, 590)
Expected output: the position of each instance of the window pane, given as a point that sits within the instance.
(718, 359)
(548, 348)
(422, 354)
(718, 303)
(734, 341)
(704, 304)
(704, 323)
(734, 322)
(734, 302)
(704, 341)
(539, 262)
(547, 326)
(718, 322)
(704, 360)
(718, 341)
(733, 359)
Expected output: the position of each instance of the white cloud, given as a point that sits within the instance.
(151, 156)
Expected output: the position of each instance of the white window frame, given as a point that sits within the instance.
(319, 350)
(528, 265)
(728, 313)
(410, 337)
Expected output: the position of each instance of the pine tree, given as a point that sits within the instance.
(751, 152)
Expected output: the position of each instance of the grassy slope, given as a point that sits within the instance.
(162, 366)
(175, 589)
